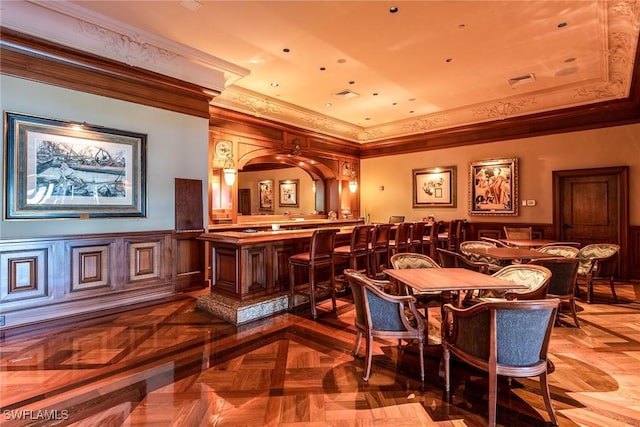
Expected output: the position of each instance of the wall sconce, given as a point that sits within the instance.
(353, 182)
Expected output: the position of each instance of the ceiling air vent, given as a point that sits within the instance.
(520, 80)
(345, 94)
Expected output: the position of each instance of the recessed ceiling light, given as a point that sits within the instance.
(394, 9)
(562, 24)
(448, 60)
(328, 104)
(341, 61)
(411, 111)
(352, 82)
(286, 50)
(569, 60)
(275, 84)
(375, 93)
(322, 68)
(367, 118)
(192, 5)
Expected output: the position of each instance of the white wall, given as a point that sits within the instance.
(177, 147)
(538, 158)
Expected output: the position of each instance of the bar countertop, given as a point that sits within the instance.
(249, 235)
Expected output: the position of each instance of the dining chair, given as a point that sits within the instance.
(430, 239)
(518, 232)
(380, 247)
(535, 277)
(491, 264)
(450, 259)
(502, 338)
(358, 248)
(564, 275)
(320, 254)
(496, 242)
(412, 260)
(598, 261)
(380, 315)
(563, 251)
(572, 244)
(450, 238)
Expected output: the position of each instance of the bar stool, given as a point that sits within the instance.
(430, 240)
(417, 236)
(360, 247)
(402, 240)
(380, 247)
(320, 255)
(450, 239)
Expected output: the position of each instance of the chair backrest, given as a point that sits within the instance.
(412, 260)
(600, 256)
(377, 310)
(496, 242)
(449, 259)
(572, 244)
(417, 232)
(563, 251)
(535, 277)
(521, 333)
(564, 272)
(402, 238)
(381, 235)
(322, 243)
(396, 219)
(360, 238)
(518, 232)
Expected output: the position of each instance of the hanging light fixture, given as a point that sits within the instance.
(229, 170)
(353, 182)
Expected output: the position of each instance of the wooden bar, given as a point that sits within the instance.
(250, 265)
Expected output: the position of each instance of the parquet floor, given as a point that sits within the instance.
(170, 365)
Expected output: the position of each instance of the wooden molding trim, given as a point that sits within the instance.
(35, 59)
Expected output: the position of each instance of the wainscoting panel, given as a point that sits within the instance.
(50, 278)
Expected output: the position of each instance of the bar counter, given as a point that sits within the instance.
(249, 265)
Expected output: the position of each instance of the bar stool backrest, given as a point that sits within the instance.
(322, 243)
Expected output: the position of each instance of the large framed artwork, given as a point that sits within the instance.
(289, 193)
(434, 187)
(62, 169)
(493, 186)
(265, 195)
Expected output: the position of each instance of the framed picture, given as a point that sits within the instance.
(265, 195)
(434, 187)
(61, 169)
(289, 193)
(493, 185)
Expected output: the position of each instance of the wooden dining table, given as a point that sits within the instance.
(527, 243)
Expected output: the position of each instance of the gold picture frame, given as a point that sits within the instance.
(493, 187)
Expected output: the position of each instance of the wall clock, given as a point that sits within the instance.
(223, 148)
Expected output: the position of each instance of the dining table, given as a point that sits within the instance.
(527, 243)
(448, 280)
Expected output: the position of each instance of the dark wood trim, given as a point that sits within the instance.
(634, 253)
(31, 58)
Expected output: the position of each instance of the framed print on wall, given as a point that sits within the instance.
(493, 187)
(289, 193)
(62, 169)
(434, 187)
(265, 195)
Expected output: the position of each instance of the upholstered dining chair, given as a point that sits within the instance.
(564, 275)
(380, 247)
(380, 315)
(563, 251)
(572, 244)
(320, 254)
(518, 232)
(491, 264)
(450, 259)
(413, 260)
(535, 277)
(598, 261)
(358, 248)
(502, 338)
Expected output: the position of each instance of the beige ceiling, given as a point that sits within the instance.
(431, 65)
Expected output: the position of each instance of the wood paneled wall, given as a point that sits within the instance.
(47, 278)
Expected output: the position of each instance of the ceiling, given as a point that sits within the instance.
(404, 67)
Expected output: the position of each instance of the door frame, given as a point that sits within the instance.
(622, 175)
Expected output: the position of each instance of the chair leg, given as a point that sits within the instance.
(369, 357)
(421, 351)
(446, 355)
(332, 283)
(589, 289)
(572, 305)
(544, 386)
(613, 290)
(312, 291)
(356, 346)
(291, 285)
(493, 396)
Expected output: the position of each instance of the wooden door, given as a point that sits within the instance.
(244, 201)
(592, 206)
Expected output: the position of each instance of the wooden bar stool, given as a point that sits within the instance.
(320, 255)
(402, 240)
(380, 247)
(360, 247)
